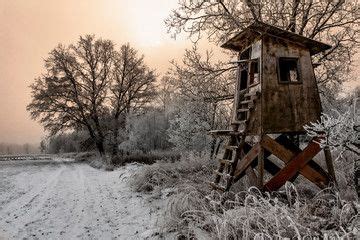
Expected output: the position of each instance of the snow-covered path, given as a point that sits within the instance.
(71, 200)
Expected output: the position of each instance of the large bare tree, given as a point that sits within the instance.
(82, 88)
(132, 88)
(335, 22)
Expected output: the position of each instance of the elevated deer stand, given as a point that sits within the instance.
(276, 95)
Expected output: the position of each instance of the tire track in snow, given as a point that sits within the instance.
(79, 202)
(79, 210)
(98, 224)
(19, 206)
(62, 216)
(28, 212)
(52, 215)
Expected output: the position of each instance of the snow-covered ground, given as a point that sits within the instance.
(64, 199)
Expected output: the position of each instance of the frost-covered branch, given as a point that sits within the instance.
(340, 131)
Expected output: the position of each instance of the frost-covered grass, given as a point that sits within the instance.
(193, 169)
(196, 212)
(255, 215)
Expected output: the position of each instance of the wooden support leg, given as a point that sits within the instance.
(253, 180)
(261, 168)
(246, 161)
(329, 164)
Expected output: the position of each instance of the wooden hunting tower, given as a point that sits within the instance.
(276, 93)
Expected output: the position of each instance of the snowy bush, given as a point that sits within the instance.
(145, 132)
(340, 131)
(194, 169)
(189, 126)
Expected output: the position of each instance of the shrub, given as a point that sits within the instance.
(191, 168)
(85, 156)
(149, 158)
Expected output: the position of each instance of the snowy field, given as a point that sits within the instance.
(63, 199)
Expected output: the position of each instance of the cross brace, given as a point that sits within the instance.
(296, 161)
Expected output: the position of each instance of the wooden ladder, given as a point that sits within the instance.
(234, 148)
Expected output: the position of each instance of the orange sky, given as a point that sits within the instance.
(29, 29)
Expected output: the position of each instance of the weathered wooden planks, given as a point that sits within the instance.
(247, 160)
(294, 165)
(312, 171)
(321, 175)
(287, 107)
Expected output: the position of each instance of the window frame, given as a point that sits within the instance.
(257, 61)
(298, 71)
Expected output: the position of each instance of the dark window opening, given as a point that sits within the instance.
(243, 79)
(245, 54)
(254, 72)
(288, 70)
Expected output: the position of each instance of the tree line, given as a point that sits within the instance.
(11, 148)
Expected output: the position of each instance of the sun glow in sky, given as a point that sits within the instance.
(30, 29)
(147, 24)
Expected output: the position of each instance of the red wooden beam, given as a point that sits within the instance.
(245, 162)
(293, 166)
(285, 150)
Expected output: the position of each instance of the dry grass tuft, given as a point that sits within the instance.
(253, 214)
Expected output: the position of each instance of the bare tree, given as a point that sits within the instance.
(81, 89)
(335, 22)
(43, 146)
(72, 92)
(133, 88)
(199, 78)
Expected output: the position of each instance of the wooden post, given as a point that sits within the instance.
(253, 181)
(329, 164)
(261, 168)
(236, 94)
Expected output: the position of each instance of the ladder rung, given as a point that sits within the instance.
(257, 93)
(225, 132)
(247, 102)
(245, 109)
(224, 175)
(231, 147)
(216, 186)
(226, 161)
(239, 122)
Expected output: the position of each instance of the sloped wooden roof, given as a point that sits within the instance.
(255, 30)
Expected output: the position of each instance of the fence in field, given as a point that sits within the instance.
(26, 157)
